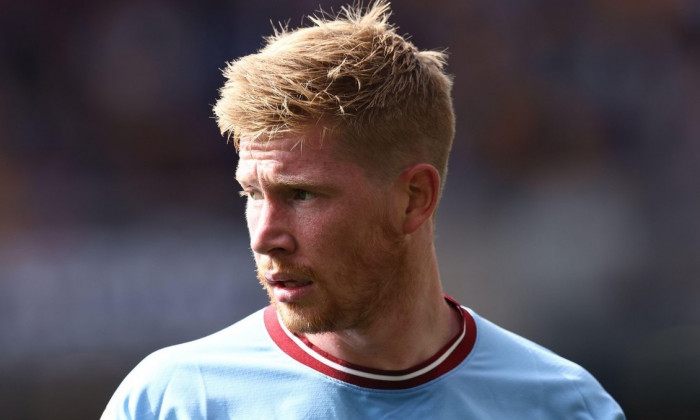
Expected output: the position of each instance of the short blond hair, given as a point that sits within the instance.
(386, 103)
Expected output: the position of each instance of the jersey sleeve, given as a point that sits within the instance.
(158, 387)
(598, 403)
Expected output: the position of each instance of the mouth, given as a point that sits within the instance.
(287, 288)
(287, 283)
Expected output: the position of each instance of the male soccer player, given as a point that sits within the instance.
(343, 130)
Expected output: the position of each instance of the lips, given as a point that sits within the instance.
(288, 283)
(286, 280)
(288, 288)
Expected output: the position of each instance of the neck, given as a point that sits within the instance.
(410, 330)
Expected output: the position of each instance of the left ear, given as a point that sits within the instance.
(422, 183)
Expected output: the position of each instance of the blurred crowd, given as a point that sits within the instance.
(570, 214)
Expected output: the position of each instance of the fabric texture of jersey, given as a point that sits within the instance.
(256, 369)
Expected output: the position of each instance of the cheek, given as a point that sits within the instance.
(251, 215)
(323, 234)
(343, 235)
(249, 218)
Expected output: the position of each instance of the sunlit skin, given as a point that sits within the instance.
(347, 259)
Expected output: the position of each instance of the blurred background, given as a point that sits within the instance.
(570, 214)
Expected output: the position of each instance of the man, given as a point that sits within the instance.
(343, 131)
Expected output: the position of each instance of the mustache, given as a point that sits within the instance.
(283, 267)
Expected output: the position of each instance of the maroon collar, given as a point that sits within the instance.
(446, 359)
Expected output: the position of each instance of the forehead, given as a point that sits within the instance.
(288, 154)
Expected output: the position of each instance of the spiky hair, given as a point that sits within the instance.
(386, 102)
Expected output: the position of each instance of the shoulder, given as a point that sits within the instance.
(160, 381)
(518, 365)
(245, 337)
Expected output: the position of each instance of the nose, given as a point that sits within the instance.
(270, 229)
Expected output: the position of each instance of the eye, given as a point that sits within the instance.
(300, 194)
(250, 194)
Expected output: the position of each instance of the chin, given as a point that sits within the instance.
(303, 320)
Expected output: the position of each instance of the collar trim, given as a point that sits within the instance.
(446, 359)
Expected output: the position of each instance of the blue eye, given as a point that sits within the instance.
(303, 194)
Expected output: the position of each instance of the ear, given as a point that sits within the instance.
(422, 183)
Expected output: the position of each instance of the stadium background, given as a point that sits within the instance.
(570, 215)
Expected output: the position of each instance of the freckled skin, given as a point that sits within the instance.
(318, 221)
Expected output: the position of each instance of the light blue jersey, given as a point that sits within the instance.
(256, 369)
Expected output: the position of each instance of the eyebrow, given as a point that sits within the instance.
(290, 181)
(296, 182)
